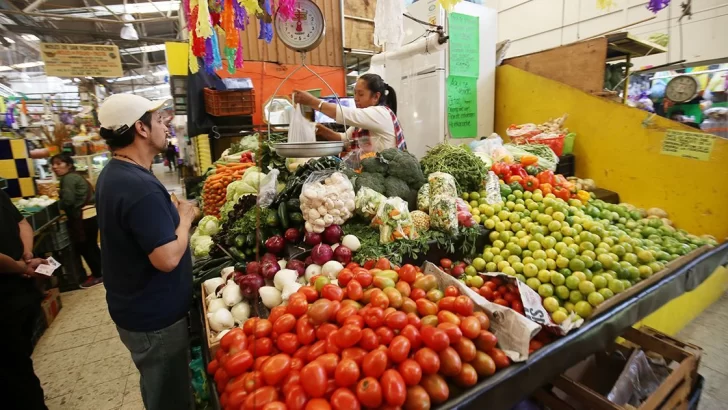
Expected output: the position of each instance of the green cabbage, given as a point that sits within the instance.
(208, 225)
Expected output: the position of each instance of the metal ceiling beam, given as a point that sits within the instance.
(47, 31)
(86, 19)
(34, 5)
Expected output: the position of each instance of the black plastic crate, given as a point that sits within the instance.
(55, 238)
(70, 270)
(566, 165)
(694, 398)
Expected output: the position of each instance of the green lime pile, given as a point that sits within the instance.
(577, 256)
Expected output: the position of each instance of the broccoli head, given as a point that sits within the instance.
(406, 167)
(396, 187)
(371, 180)
(390, 154)
(374, 165)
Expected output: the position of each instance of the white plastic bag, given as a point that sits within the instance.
(267, 190)
(300, 129)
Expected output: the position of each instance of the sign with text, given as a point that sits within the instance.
(81, 60)
(686, 144)
(462, 106)
(464, 40)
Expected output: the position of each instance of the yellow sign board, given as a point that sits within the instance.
(81, 60)
(685, 144)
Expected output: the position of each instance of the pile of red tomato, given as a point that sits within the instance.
(358, 346)
(501, 293)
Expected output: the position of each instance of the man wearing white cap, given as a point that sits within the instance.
(144, 250)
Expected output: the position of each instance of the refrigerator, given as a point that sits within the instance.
(420, 80)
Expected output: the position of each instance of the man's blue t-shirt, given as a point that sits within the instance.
(136, 215)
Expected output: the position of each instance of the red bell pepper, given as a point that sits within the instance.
(546, 177)
(502, 170)
(531, 183)
(517, 169)
(546, 188)
(562, 193)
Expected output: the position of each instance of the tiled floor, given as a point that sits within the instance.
(80, 360)
(709, 332)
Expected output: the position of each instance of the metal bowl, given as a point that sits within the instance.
(308, 149)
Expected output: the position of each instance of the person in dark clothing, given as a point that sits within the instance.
(76, 197)
(171, 156)
(145, 251)
(19, 309)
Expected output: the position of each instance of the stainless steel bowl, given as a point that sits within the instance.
(308, 149)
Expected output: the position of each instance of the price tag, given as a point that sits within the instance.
(48, 269)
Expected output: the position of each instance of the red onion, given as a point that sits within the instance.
(342, 254)
(321, 254)
(275, 244)
(292, 235)
(312, 238)
(298, 266)
(269, 269)
(253, 268)
(332, 234)
(249, 285)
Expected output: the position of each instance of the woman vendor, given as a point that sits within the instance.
(374, 120)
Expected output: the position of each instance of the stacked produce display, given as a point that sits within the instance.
(308, 270)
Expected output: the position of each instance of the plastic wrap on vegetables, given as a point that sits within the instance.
(423, 198)
(444, 214)
(367, 202)
(395, 221)
(327, 198)
(442, 184)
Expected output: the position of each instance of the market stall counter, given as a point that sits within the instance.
(511, 385)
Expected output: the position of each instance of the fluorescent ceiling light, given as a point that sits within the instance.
(29, 37)
(9, 40)
(29, 65)
(143, 49)
(131, 77)
(67, 81)
(5, 68)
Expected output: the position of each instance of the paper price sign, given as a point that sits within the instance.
(685, 144)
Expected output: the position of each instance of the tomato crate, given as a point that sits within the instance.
(588, 384)
(227, 103)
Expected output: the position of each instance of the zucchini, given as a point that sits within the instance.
(240, 241)
(283, 215)
(294, 204)
(296, 219)
(236, 254)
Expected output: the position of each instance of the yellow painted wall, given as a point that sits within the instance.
(619, 153)
(614, 148)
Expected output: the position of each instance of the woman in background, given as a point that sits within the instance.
(75, 194)
(374, 120)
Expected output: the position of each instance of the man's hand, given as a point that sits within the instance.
(27, 256)
(187, 211)
(31, 265)
(304, 98)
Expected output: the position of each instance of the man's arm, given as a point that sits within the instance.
(26, 236)
(151, 221)
(10, 266)
(167, 257)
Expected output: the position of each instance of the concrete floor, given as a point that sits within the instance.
(710, 332)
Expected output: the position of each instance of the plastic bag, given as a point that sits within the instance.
(368, 201)
(300, 129)
(423, 198)
(640, 378)
(442, 184)
(199, 377)
(267, 191)
(492, 189)
(444, 213)
(394, 221)
(327, 198)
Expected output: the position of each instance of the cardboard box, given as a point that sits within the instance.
(51, 305)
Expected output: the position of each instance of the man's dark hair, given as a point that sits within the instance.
(126, 138)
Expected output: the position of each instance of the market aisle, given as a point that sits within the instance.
(80, 360)
(709, 332)
(169, 179)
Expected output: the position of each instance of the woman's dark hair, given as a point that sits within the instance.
(376, 84)
(124, 139)
(65, 158)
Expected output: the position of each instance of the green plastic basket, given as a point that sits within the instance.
(569, 144)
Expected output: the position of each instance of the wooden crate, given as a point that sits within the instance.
(212, 344)
(673, 393)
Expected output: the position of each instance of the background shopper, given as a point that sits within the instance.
(145, 253)
(76, 194)
(19, 310)
(171, 156)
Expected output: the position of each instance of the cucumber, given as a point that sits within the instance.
(294, 204)
(283, 215)
(236, 254)
(240, 266)
(240, 241)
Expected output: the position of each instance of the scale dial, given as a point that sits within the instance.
(306, 30)
(682, 89)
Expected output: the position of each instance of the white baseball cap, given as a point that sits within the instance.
(119, 112)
